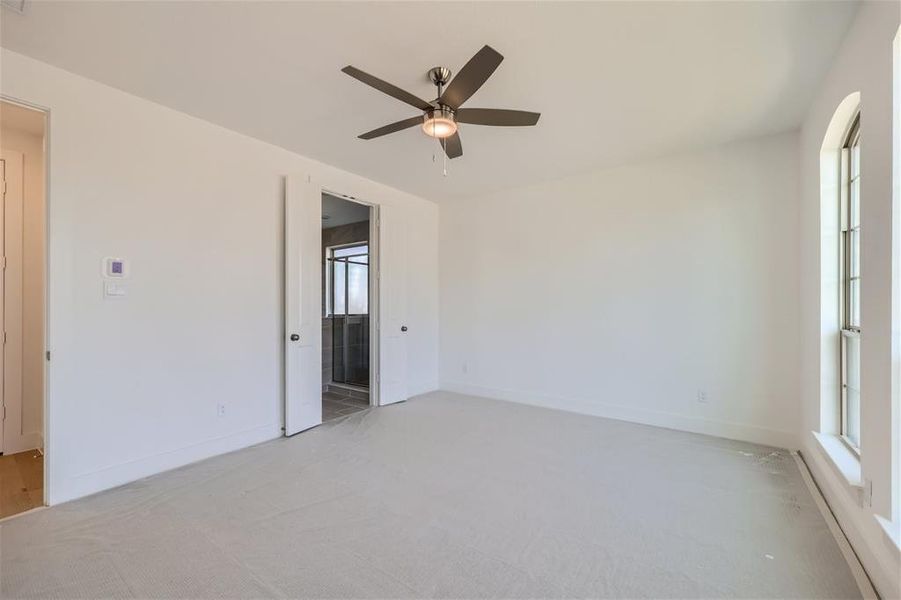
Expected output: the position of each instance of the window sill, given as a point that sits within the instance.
(892, 530)
(844, 462)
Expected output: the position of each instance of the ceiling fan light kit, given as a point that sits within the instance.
(441, 117)
(439, 123)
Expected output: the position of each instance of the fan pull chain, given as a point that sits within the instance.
(443, 142)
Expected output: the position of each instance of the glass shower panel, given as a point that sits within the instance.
(350, 319)
(338, 373)
(350, 349)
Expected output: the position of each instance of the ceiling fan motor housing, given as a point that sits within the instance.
(439, 75)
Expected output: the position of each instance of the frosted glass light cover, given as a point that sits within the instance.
(439, 127)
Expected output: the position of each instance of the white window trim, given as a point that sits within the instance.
(850, 138)
(844, 462)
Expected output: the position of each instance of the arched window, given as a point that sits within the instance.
(849, 265)
(840, 274)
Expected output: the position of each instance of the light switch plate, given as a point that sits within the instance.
(113, 289)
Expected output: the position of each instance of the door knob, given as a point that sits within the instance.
(295, 337)
(403, 327)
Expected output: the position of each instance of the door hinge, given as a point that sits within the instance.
(4, 413)
(3, 263)
(48, 355)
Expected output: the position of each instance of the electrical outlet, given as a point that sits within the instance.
(220, 409)
(702, 396)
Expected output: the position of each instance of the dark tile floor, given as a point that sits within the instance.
(336, 405)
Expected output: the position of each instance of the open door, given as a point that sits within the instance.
(3, 189)
(392, 306)
(303, 298)
(12, 439)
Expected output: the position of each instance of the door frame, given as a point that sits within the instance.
(47, 440)
(374, 278)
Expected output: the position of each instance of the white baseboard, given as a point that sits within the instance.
(22, 443)
(723, 429)
(85, 484)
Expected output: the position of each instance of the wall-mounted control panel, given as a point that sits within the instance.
(114, 269)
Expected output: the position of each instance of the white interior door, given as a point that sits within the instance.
(303, 310)
(12, 439)
(3, 187)
(393, 328)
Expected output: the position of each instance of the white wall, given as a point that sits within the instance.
(29, 334)
(624, 292)
(197, 210)
(863, 64)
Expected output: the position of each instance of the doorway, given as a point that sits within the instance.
(22, 300)
(306, 294)
(346, 347)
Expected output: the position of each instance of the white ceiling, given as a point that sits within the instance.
(341, 212)
(614, 81)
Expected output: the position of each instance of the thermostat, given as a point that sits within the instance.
(114, 267)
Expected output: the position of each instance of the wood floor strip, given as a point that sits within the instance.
(21, 482)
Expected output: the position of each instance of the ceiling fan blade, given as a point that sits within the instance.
(387, 88)
(452, 145)
(497, 117)
(391, 128)
(471, 77)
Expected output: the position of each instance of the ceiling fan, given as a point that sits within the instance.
(440, 117)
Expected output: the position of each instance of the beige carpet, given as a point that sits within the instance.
(445, 496)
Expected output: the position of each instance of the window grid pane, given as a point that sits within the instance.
(851, 392)
(338, 305)
(348, 278)
(357, 289)
(328, 285)
(851, 275)
(854, 254)
(351, 251)
(854, 301)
